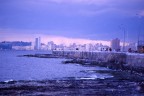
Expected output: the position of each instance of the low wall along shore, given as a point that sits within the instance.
(132, 59)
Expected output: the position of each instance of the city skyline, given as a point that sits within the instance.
(64, 40)
(95, 20)
(115, 45)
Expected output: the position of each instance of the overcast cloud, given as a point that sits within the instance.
(87, 19)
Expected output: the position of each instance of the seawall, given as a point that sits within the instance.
(136, 60)
(131, 59)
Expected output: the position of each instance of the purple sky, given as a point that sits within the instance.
(86, 19)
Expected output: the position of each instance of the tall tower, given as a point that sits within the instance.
(115, 44)
(37, 43)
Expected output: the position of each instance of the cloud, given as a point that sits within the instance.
(68, 1)
(87, 7)
(81, 1)
(68, 41)
(29, 36)
(79, 7)
(96, 2)
(70, 18)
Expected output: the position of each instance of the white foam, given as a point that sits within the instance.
(87, 78)
(8, 80)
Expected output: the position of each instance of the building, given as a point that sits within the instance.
(131, 46)
(5, 46)
(44, 46)
(15, 45)
(115, 44)
(140, 46)
(89, 47)
(37, 43)
(21, 48)
(51, 45)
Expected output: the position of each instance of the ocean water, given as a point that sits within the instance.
(16, 68)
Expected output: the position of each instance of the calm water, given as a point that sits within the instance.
(28, 68)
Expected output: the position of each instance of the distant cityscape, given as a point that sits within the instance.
(38, 45)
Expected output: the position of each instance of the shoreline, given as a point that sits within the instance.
(123, 83)
(111, 63)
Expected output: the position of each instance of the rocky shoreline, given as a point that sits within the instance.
(126, 81)
(111, 65)
(122, 84)
(40, 56)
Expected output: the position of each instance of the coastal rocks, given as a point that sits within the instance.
(40, 56)
(116, 58)
(72, 87)
(111, 65)
(130, 62)
(140, 87)
(131, 59)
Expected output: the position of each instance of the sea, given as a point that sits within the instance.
(16, 67)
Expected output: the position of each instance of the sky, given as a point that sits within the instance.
(71, 20)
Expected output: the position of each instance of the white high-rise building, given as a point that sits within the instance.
(37, 43)
(115, 44)
(51, 45)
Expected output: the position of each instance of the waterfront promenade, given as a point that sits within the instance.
(131, 59)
